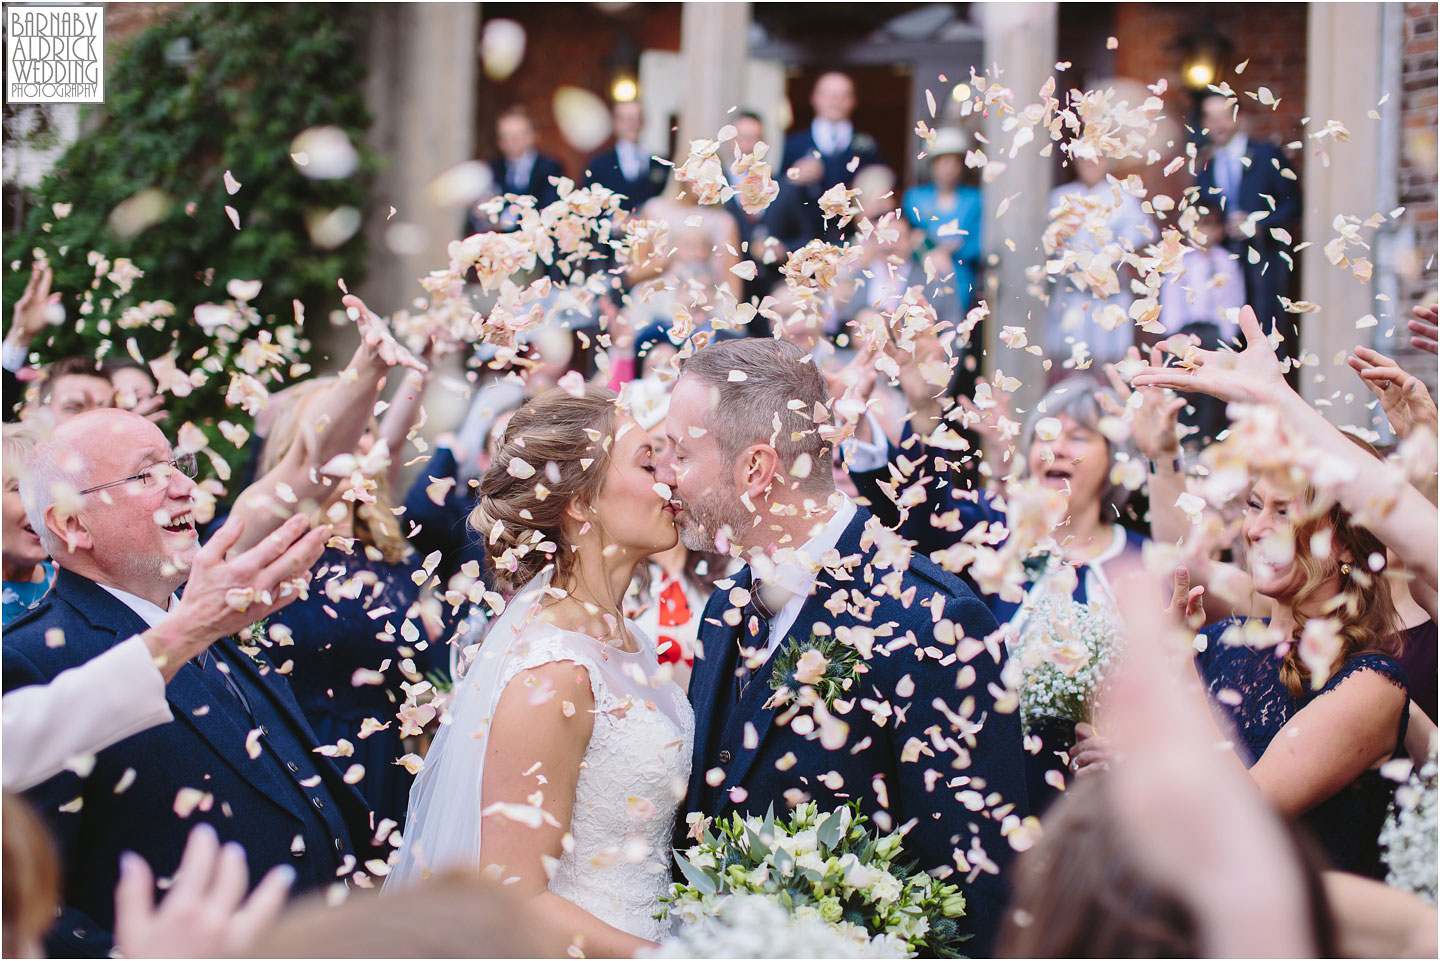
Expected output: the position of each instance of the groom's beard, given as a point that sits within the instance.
(705, 518)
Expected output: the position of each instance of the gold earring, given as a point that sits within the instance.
(1344, 568)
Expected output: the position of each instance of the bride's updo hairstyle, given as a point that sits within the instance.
(555, 449)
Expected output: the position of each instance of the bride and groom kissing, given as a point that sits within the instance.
(571, 767)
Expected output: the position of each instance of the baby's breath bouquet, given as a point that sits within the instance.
(1063, 649)
(820, 867)
(1408, 840)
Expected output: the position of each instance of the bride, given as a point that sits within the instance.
(567, 750)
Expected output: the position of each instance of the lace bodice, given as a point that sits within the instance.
(632, 779)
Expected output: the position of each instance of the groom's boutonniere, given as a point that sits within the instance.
(824, 665)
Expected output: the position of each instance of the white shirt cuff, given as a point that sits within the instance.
(862, 456)
(12, 358)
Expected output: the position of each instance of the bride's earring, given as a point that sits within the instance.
(1345, 569)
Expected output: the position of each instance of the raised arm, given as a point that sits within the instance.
(341, 415)
(1375, 492)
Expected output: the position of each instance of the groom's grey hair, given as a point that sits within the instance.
(767, 391)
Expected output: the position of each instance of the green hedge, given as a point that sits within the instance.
(256, 75)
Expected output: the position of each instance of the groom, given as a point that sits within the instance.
(926, 750)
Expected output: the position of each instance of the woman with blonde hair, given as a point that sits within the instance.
(352, 645)
(1316, 695)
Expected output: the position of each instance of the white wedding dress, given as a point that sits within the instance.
(632, 779)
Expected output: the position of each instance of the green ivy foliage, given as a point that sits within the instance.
(212, 87)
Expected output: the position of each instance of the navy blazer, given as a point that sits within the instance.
(539, 187)
(862, 151)
(604, 169)
(1267, 279)
(129, 799)
(766, 763)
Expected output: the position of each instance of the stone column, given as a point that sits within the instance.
(1343, 82)
(421, 92)
(1021, 39)
(714, 45)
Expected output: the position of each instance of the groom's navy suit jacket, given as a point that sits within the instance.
(904, 764)
(128, 802)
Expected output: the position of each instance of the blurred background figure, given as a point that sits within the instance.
(72, 386)
(829, 152)
(626, 167)
(1203, 302)
(520, 168)
(27, 568)
(1103, 221)
(1246, 180)
(135, 389)
(948, 210)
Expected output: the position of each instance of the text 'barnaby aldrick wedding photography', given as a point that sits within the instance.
(54, 54)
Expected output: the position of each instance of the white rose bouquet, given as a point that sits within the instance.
(829, 868)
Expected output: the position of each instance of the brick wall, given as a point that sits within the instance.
(566, 44)
(1417, 164)
(124, 20)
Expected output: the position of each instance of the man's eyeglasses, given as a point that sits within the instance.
(158, 474)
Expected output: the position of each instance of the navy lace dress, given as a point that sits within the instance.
(351, 621)
(1244, 682)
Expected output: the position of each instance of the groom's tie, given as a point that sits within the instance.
(754, 635)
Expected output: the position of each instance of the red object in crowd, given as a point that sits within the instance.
(674, 612)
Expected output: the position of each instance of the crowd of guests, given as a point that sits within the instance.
(276, 687)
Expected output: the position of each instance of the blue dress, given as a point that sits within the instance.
(335, 635)
(924, 210)
(1347, 824)
(21, 596)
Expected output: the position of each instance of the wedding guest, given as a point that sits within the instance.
(1202, 302)
(113, 504)
(363, 616)
(31, 876)
(626, 167)
(518, 169)
(1314, 729)
(113, 580)
(949, 212)
(828, 152)
(27, 324)
(71, 386)
(1119, 226)
(27, 567)
(205, 911)
(1423, 330)
(1247, 181)
(766, 236)
(135, 388)
(704, 246)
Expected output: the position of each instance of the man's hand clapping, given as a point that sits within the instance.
(224, 595)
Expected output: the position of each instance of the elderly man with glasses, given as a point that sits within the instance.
(115, 506)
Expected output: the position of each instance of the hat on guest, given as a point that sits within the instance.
(949, 140)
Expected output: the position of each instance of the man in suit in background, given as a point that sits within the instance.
(627, 168)
(822, 155)
(113, 505)
(1237, 179)
(519, 169)
(750, 469)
